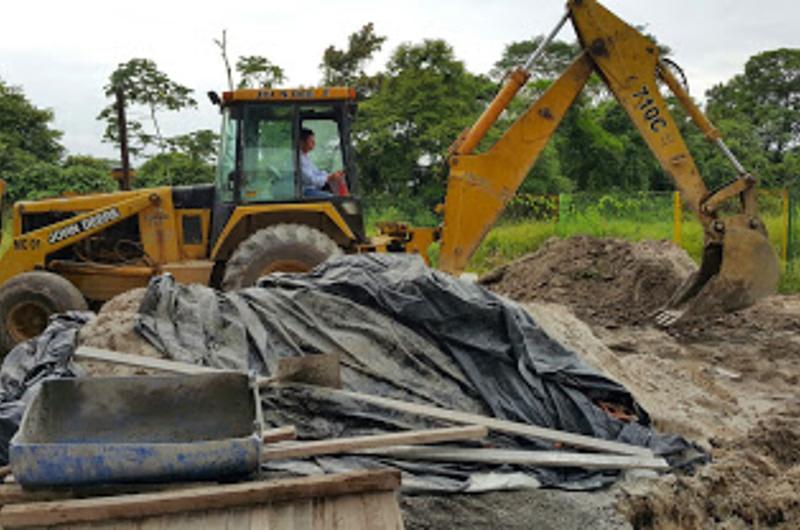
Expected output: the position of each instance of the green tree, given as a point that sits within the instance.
(557, 56)
(426, 98)
(765, 102)
(173, 169)
(200, 146)
(26, 138)
(143, 84)
(78, 175)
(346, 67)
(256, 71)
(189, 160)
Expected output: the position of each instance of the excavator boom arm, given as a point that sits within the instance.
(480, 185)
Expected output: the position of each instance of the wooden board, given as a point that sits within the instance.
(346, 445)
(279, 434)
(510, 427)
(15, 494)
(96, 354)
(223, 497)
(361, 511)
(535, 458)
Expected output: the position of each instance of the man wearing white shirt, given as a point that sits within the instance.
(313, 178)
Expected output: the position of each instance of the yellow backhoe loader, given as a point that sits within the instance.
(254, 219)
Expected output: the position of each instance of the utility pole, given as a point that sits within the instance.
(125, 178)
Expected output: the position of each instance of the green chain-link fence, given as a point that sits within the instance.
(658, 215)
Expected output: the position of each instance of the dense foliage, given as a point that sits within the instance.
(411, 111)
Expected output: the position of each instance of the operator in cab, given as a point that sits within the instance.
(313, 178)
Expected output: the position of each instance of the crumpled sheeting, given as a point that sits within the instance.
(29, 363)
(407, 332)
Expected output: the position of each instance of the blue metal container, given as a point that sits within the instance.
(137, 429)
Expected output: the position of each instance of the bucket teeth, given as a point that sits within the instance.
(732, 276)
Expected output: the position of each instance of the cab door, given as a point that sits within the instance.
(268, 154)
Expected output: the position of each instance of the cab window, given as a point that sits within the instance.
(268, 154)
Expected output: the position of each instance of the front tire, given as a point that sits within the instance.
(27, 302)
(278, 248)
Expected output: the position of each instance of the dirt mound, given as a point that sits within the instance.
(603, 281)
(752, 484)
(727, 382)
(113, 329)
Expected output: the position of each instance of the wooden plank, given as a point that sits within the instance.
(208, 498)
(14, 493)
(535, 458)
(510, 427)
(279, 434)
(304, 513)
(324, 514)
(259, 516)
(384, 510)
(140, 361)
(347, 445)
(350, 513)
(282, 516)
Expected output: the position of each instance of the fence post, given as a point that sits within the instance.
(785, 225)
(677, 218)
(790, 231)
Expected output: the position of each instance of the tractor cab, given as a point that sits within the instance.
(259, 158)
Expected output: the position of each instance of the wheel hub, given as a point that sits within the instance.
(285, 265)
(26, 320)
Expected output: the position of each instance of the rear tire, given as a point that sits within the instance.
(28, 300)
(278, 248)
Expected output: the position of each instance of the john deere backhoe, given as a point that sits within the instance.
(254, 219)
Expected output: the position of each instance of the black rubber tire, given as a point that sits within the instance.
(30, 299)
(278, 248)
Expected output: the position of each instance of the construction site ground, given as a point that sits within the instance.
(728, 383)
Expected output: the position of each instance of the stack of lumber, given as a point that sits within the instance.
(595, 453)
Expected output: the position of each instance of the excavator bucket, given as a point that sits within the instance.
(733, 275)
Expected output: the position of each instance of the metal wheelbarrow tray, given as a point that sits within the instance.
(137, 429)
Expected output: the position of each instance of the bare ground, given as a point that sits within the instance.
(727, 382)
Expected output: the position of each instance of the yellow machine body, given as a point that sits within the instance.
(739, 265)
(165, 246)
(192, 244)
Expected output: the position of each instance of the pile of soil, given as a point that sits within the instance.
(728, 382)
(752, 484)
(603, 281)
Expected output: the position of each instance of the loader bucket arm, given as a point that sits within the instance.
(30, 250)
(480, 186)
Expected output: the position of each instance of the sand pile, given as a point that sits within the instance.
(603, 281)
(113, 329)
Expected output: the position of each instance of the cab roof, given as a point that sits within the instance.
(290, 94)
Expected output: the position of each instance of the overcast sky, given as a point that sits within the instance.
(61, 53)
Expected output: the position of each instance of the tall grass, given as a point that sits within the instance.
(633, 219)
